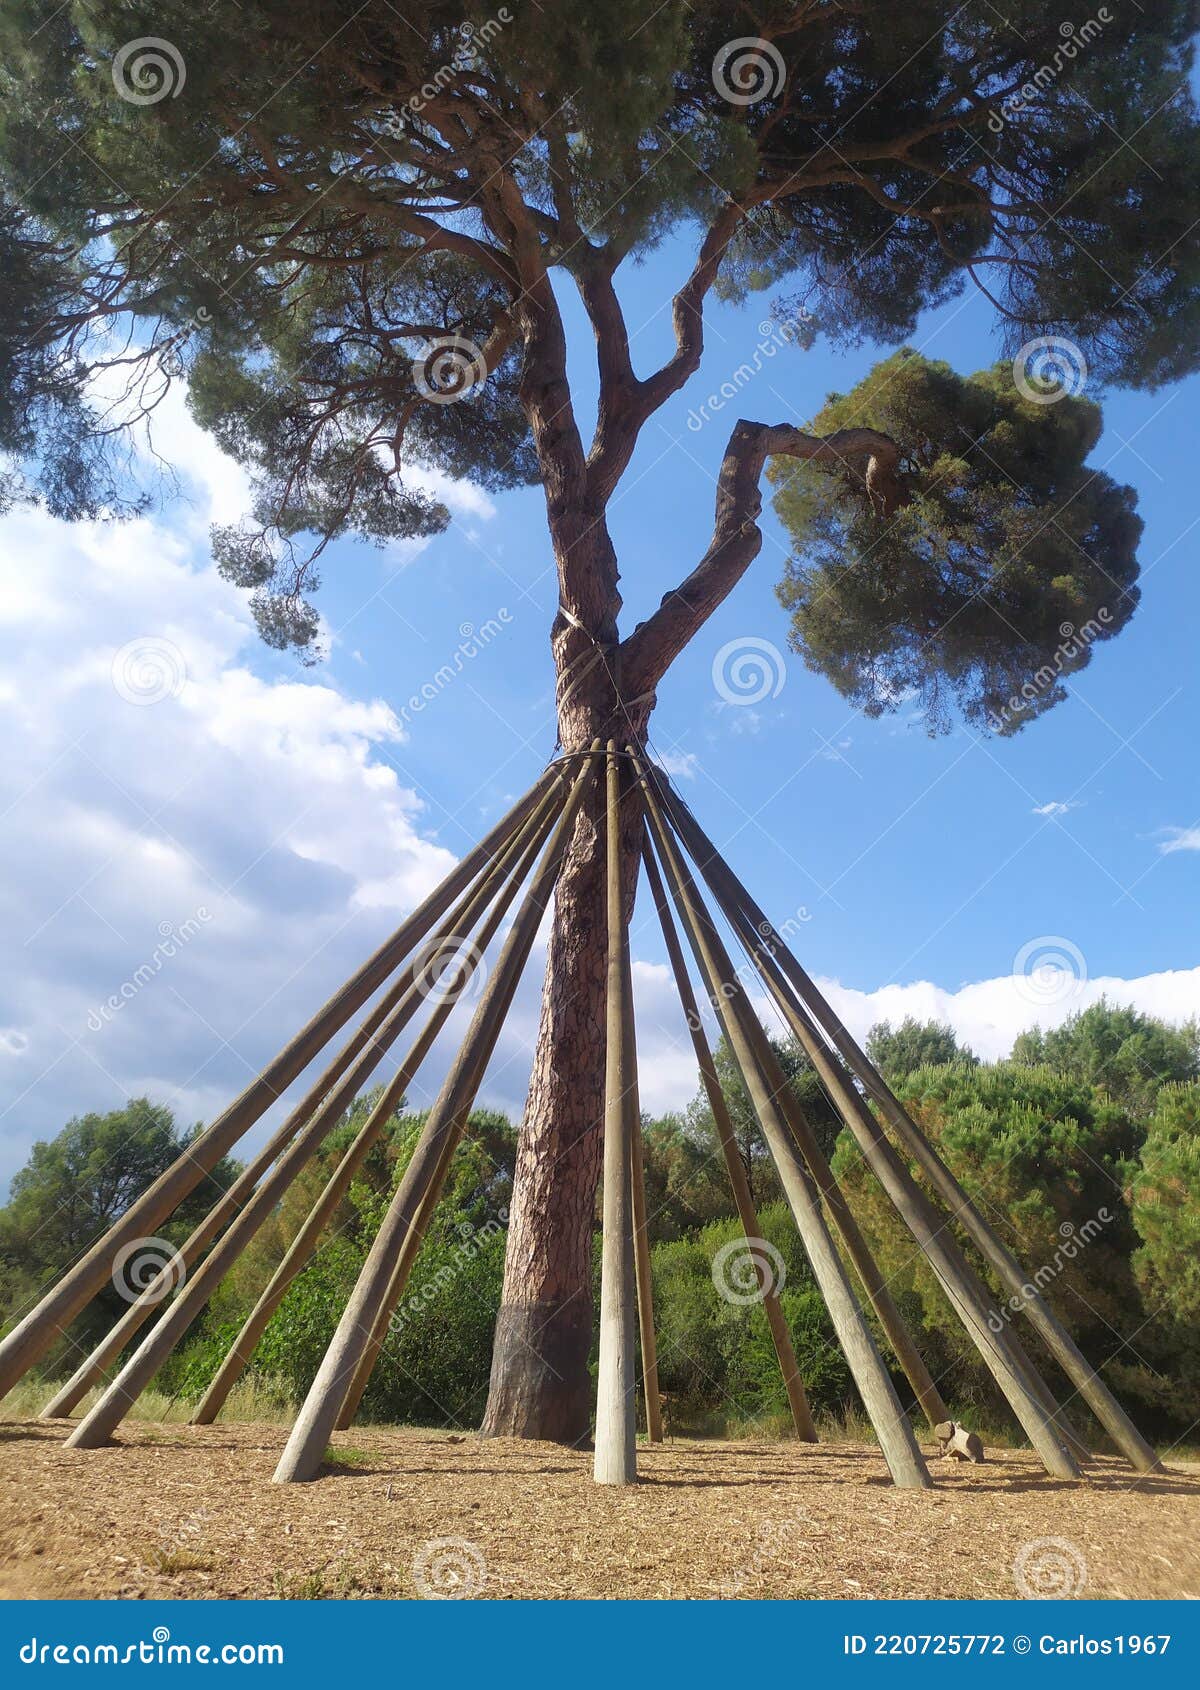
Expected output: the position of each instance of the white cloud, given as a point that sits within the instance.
(988, 1014)
(667, 1073)
(153, 783)
(461, 498)
(680, 765)
(1180, 839)
(1056, 807)
(264, 819)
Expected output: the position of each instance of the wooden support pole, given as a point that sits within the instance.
(302, 1247)
(429, 1200)
(912, 1140)
(409, 1252)
(615, 1461)
(780, 1336)
(966, 1296)
(894, 1325)
(317, 1419)
(643, 1276)
(767, 1089)
(232, 1201)
(96, 1427)
(645, 1284)
(33, 1336)
(1005, 1359)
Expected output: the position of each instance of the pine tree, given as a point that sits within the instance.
(343, 227)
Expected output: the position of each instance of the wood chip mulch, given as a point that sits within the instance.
(182, 1511)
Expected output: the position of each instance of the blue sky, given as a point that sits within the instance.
(915, 857)
(163, 763)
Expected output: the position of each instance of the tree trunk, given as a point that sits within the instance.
(540, 1386)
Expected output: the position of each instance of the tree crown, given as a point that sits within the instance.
(341, 228)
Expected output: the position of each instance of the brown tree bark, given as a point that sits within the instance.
(540, 1386)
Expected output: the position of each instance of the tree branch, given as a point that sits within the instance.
(864, 452)
(626, 402)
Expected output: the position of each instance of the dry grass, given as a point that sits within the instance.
(251, 1401)
(173, 1510)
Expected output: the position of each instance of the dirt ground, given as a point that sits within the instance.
(180, 1511)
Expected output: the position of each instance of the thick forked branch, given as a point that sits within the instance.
(654, 644)
(687, 311)
(626, 402)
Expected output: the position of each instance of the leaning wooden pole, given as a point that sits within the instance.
(857, 1249)
(931, 1234)
(645, 1284)
(232, 1201)
(615, 1460)
(305, 1243)
(643, 1274)
(1009, 1365)
(404, 1266)
(41, 1327)
(401, 1273)
(1007, 1362)
(896, 1440)
(97, 1426)
(743, 1198)
(446, 1121)
(1038, 1311)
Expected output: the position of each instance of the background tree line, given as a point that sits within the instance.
(1083, 1148)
